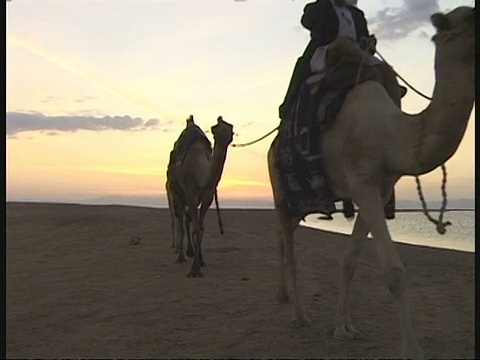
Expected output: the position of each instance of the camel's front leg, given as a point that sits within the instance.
(188, 230)
(344, 330)
(206, 202)
(179, 233)
(282, 291)
(172, 213)
(371, 211)
(288, 227)
(197, 233)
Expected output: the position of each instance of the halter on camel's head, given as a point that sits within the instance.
(458, 25)
(222, 131)
(459, 20)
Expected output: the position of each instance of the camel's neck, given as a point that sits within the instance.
(446, 117)
(216, 165)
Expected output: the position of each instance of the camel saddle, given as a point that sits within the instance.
(188, 136)
(299, 155)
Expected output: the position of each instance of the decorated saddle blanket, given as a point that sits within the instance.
(299, 155)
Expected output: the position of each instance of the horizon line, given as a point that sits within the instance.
(226, 207)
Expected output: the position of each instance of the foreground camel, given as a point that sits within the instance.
(191, 186)
(369, 147)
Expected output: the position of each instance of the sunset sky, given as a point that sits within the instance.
(98, 91)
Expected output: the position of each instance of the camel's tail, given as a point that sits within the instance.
(220, 224)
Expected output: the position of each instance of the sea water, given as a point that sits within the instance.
(414, 228)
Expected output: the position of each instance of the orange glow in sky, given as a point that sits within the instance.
(165, 61)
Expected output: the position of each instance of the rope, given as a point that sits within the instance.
(364, 57)
(257, 140)
(220, 223)
(405, 81)
(440, 224)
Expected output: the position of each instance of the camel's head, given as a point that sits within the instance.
(222, 132)
(456, 33)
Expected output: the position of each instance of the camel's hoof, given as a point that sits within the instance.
(181, 260)
(348, 333)
(197, 273)
(282, 296)
(298, 322)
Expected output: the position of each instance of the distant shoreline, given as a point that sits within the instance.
(430, 210)
(226, 207)
(434, 210)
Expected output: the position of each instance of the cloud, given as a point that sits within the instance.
(393, 23)
(18, 122)
(152, 122)
(50, 98)
(84, 99)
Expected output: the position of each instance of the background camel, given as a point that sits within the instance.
(369, 147)
(172, 213)
(193, 174)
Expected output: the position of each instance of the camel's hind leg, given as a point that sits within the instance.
(371, 211)
(288, 226)
(285, 237)
(344, 329)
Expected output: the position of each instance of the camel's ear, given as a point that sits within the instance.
(440, 21)
(219, 120)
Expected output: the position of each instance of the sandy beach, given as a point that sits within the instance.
(78, 288)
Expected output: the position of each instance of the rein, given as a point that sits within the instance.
(257, 140)
(220, 223)
(440, 224)
(405, 81)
